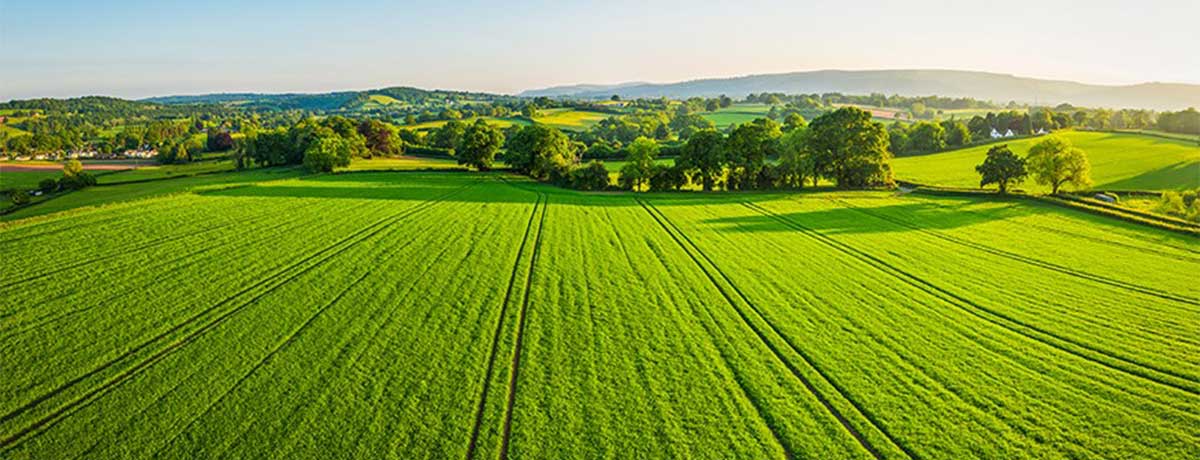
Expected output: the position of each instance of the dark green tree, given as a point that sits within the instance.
(1001, 167)
(479, 145)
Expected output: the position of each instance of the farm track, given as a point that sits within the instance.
(1125, 365)
(667, 226)
(512, 281)
(1027, 260)
(521, 320)
(329, 252)
(136, 249)
(169, 262)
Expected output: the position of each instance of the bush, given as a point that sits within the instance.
(664, 178)
(48, 185)
(76, 181)
(19, 197)
(593, 176)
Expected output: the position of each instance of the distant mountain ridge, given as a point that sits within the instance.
(950, 83)
(331, 101)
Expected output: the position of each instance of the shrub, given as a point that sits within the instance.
(664, 178)
(593, 176)
(48, 185)
(19, 197)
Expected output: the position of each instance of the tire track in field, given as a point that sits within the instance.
(237, 243)
(1024, 259)
(323, 255)
(282, 345)
(1128, 366)
(667, 226)
(522, 315)
(512, 281)
(1184, 257)
(721, 341)
(135, 249)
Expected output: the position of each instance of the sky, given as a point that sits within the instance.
(136, 48)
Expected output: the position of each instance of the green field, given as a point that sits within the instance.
(569, 119)
(155, 171)
(25, 180)
(421, 314)
(737, 114)
(103, 195)
(407, 163)
(1119, 162)
(498, 122)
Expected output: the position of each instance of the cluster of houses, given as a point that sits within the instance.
(1010, 133)
(92, 155)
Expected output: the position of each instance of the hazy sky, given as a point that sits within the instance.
(139, 48)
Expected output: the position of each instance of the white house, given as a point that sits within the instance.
(1009, 133)
(996, 134)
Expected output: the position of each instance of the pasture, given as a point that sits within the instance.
(570, 119)
(736, 114)
(424, 314)
(1119, 162)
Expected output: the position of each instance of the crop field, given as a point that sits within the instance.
(404, 163)
(427, 314)
(498, 122)
(568, 119)
(122, 192)
(737, 114)
(155, 171)
(1119, 162)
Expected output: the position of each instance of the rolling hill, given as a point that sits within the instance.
(951, 83)
(1119, 162)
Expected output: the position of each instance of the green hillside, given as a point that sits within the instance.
(1119, 162)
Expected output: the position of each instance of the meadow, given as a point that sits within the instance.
(1119, 162)
(484, 315)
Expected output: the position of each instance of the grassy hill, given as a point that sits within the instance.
(1119, 162)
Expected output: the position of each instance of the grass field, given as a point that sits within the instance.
(401, 164)
(737, 114)
(498, 122)
(1119, 162)
(418, 314)
(571, 120)
(117, 193)
(25, 180)
(154, 172)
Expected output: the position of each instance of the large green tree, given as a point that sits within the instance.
(479, 145)
(1001, 167)
(1055, 162)
(326, 153)
(704, 153)
(539, 151)
(926, 136)
(850, 148)
(747, 149)
(639, 163)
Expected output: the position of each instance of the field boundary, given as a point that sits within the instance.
(1126, 365)
(512, 281)
(862, 440)
(345, 243)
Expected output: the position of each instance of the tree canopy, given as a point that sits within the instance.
(850, 148)
(1001, 167)
(1055, 162)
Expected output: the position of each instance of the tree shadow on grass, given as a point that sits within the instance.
(1185, 174)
